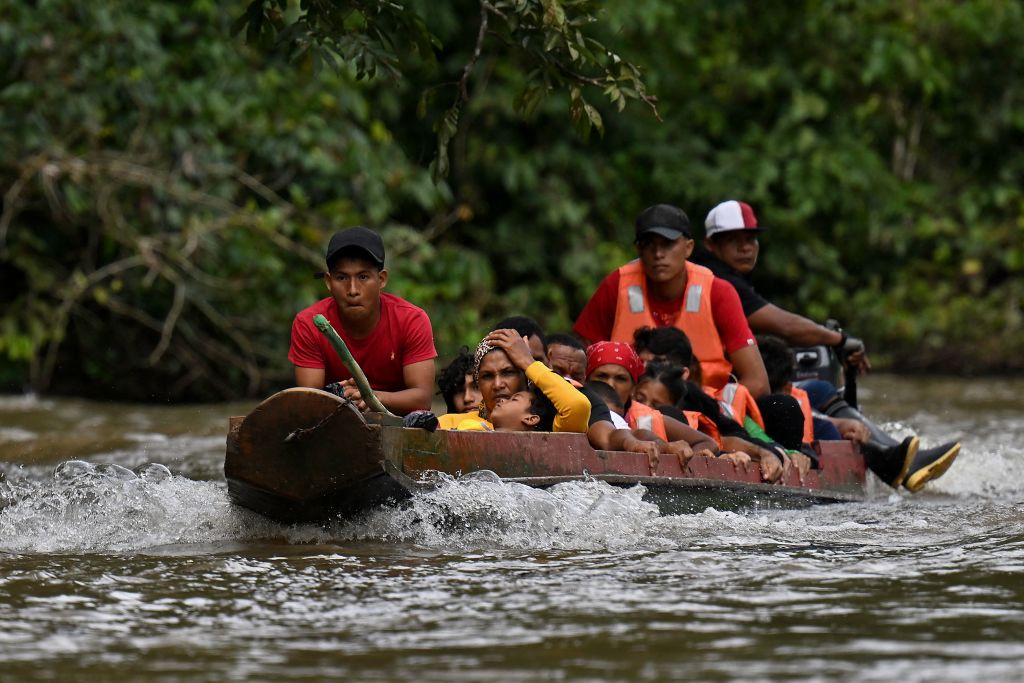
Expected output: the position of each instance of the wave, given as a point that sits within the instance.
(102, 507)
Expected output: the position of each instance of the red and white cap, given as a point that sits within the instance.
(729, 216)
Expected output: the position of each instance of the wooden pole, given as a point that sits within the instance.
(363, 385)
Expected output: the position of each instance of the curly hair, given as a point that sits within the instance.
(452, 379)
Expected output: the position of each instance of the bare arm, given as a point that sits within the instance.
(698, 441)
(310, 377)
(604, 436)
(419, 380)
(771, 463)
(800, 331)
(795, 329)
(749, 370)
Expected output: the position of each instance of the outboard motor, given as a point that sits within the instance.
(818, 362)
(822, 362)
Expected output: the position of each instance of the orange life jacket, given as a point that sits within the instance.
(805, 407)
(703, 424)
(737, 402)
(695, 317)
(640, 416)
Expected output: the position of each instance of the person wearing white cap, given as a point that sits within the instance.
(731, 238)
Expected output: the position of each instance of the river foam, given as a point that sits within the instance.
(103, 507)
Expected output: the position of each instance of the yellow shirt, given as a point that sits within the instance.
(453, 420)
(475, 425)
(572, 407)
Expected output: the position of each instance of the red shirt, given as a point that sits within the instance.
(598, 317)
(403, 336)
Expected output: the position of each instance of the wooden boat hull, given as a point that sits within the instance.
(306, 455)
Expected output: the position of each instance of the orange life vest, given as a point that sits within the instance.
(640, 416)
(703, 424)
(805, 407)
(737, 402)
(695, 317)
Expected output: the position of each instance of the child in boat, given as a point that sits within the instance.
(503, 361)
(611, 399)
(523, 411)
(618, 366)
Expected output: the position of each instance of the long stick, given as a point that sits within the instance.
(338, 343)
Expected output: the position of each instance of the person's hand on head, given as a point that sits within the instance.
(513, 344)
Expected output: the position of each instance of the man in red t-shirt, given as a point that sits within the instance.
(655, 291)
(390, 338)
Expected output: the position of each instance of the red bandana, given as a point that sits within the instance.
(614, 353)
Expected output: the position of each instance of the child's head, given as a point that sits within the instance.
(457, 385)
(662, 384)
(524, 411)
(779, 361)
(608, 395)
(663, 345)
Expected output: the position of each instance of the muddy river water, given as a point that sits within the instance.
(121, 559)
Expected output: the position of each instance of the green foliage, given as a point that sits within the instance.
(167, 189)
(547, 39)
(168, 192)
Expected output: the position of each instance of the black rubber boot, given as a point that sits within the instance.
(891, 463)
(929, 464)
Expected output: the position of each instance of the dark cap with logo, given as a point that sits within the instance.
(666, 220)
(359, 241)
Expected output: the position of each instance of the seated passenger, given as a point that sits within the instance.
(390, 339)
(616, 408)
(567, 356)
(732, 408)
(602, 433)
(668, 344)
(524, 411)
(617, 365)
(664, 386)
(457, 386)
(895, 463)
(503, 363)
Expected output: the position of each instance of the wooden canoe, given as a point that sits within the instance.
(304, 455)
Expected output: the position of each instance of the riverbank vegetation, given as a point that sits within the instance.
(168, 186)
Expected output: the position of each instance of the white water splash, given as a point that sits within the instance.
(991, 459)
(479, 509)
(105, 507)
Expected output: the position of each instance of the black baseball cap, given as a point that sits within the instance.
(358, 239)
(666, 220)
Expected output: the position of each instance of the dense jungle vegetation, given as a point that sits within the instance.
(168, 185)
